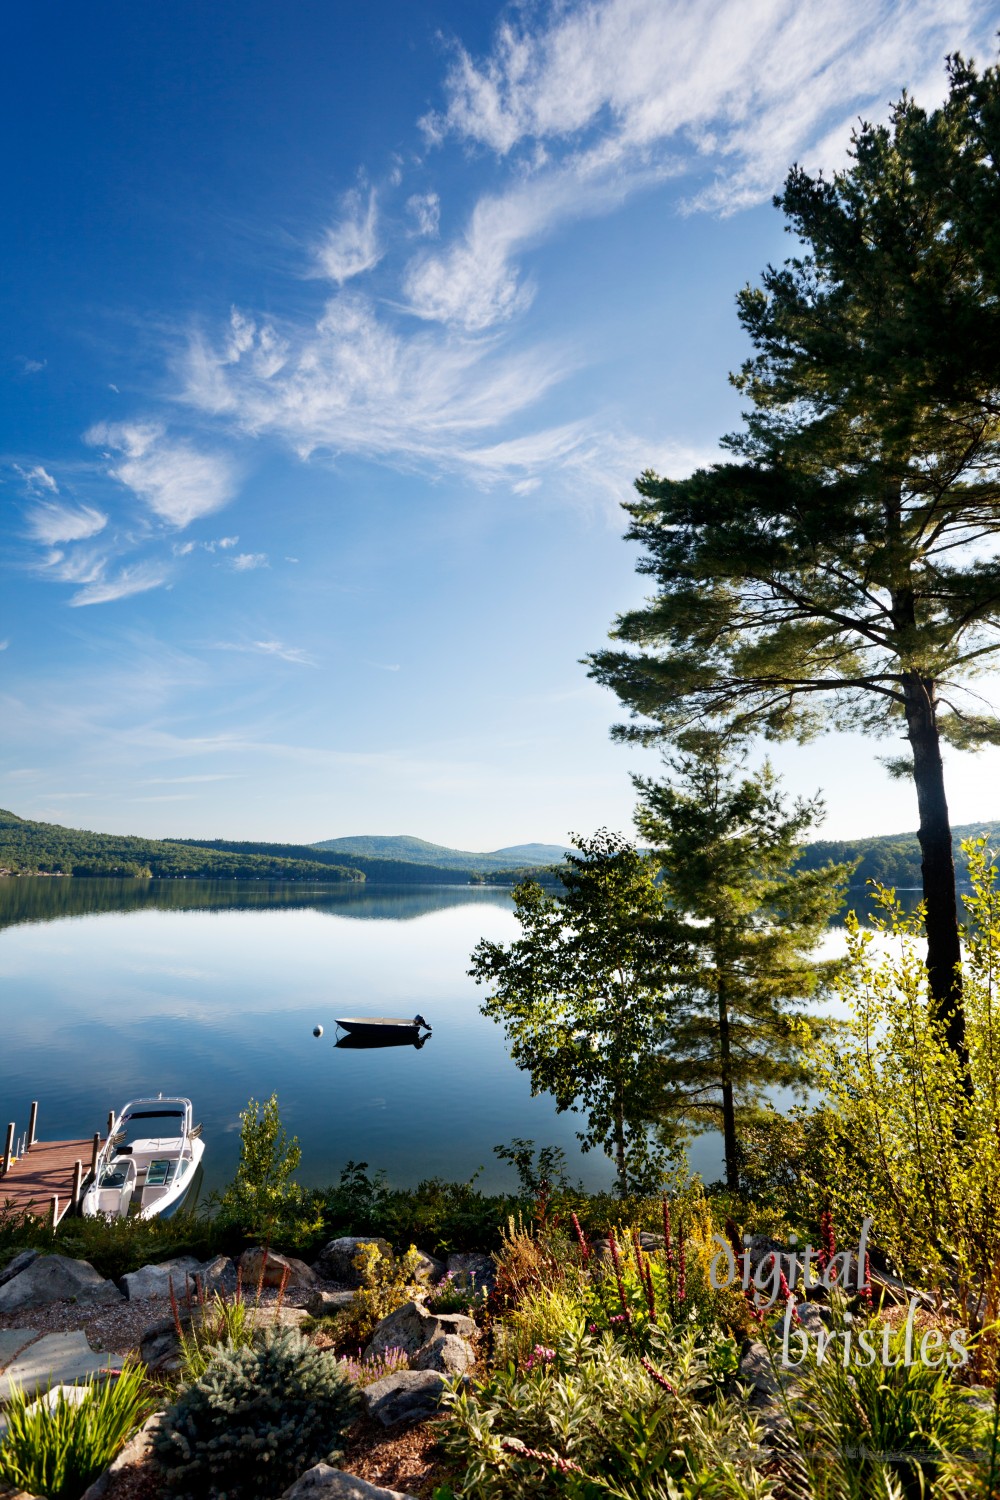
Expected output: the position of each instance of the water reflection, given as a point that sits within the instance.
(363, 1043)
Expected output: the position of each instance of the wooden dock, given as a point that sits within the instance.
(45, 1178)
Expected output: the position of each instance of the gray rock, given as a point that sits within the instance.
(156, 1281)
(56, 1359)
(324, 1483)
(335, 1261)
(19, 1263)
(218, 1275)
(326, 1304)
(253, 1265)
(812, 1317)
(481, 1269)
(757, 1371)
(411, 1326)
(449, 1355)
(407, 1396)
(159, 1347)
(430, 1269)
(134, 1452)
(601, 1247)
(56, 1278)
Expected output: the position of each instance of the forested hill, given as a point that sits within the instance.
(419, 852)
(893, 859)
(49, 849)
(385, 871)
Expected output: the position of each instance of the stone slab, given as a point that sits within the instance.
(326, 1483)
(56, 1359)
(12, 1340)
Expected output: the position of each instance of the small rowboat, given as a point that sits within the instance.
(383, 1028)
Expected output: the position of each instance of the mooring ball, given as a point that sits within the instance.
(317, 1031)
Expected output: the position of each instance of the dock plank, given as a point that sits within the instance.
(46, 1170)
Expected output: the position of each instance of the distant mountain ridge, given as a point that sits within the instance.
(416, 851)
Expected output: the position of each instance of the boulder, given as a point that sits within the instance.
(757, 1371)
(156, 1281)
(159, 1347)
(218, 1275)
(601, 1247)
(19, 1263)
(481, 1269)
(56, 1278)
(253, 1265)
(430, 1268)
(335, 1261)
(449, 1355)
(327, 1304)
(411, 1326)
(407, 1396)
(135, 1452)
(324, 1483)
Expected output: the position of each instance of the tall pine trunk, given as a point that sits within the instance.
(726, 1074)
(937, 862)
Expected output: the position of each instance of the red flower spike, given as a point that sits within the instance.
(653, 1372)
(581, 1239)
(667, 1245)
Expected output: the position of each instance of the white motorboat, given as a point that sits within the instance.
(148, 1163)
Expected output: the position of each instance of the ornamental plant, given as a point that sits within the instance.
(255, 1420)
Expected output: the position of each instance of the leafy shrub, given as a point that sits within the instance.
(457, 1293)
(58, 1451)
(262, 1200)
(387, 1281)
(255, 1420)
(908, 1145)
(218, 1322)
(589, 1420)
(441, 1216)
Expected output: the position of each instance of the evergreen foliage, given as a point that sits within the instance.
(256, 1420)
(847, 556)
(726, 842)
(584, 997)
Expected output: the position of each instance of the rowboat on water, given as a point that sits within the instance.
(384, 1029)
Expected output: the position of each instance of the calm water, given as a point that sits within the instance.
(211, 989)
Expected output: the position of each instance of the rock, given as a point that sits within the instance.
(481, 1269)
(407, 1396)
(601, 1247)
(411, 1326)
(757, 1372)
(449, 1355)
(430, 1268)
(56, 1278)
(218, 1275)
(156, 1281)
(135, 1452)
(283, 1317)
(324, 1483)
(326, 1304)
(253, 1263)
(335, 1261)
(56, 1359)
(19, 1263)
(812, 1317)
(159, 1347)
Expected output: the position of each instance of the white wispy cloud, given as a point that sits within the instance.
(270, 648)
(351, 246)
(135, 579)
(37, 479)
(177, 481)
(51, 524)
(246, 562)
(425, 209)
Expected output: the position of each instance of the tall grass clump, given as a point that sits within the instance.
(58, 1449)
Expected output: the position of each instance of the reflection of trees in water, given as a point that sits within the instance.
(30, 898)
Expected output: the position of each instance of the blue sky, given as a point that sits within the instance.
(332, 338)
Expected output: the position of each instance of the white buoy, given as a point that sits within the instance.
(317, 1031)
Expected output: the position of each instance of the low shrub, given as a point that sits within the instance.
(387, 1281)
(255, 1420)
(218, 1322)
(59, 1450)
(457, 1293)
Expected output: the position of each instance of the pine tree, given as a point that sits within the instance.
(727, 842)
(848, 556)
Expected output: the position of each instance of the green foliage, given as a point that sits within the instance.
(255, 1420)
(29, 848)
(583, 997)
(536, 1170)
(726, 841)
(387, 1281)
(113, 1246)
(592, 1422)
(440, 1216)
(218, 1322)
(907, 1144)
(457, 1293)
(262, 1200)
(58, 1450)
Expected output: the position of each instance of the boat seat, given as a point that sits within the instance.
(160, 1173)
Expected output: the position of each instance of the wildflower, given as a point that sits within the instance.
(654, 1373)
(564, 1465)
(681, 1269)
(616, 1262)
(581, 1239)
(668, 1247)
(540, 1355)
(866, 1290)
(828, 1245)
(786, 1292)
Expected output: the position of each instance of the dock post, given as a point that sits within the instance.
(9, 1148)
(95, 1153)
(111, 1121)
(32, 1123)
(77, 1185)
(54, 1212)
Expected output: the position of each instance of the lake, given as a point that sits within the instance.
(114, 988)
